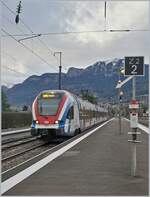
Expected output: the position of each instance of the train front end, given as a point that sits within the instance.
(46, 111)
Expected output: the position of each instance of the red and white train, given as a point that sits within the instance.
(61, 113)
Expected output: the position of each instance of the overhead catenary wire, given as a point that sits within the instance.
(29, 28)
(16, 26)
(81, 32)
(66, 33)
(31, 49)
(13, 70)
(9, 21)
(25, 34)
(15, 15)
(9, 55)
(42, 59)
(73, 32)
(14, 59)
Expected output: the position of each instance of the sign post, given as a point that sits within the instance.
(134, 66)
(134, 106)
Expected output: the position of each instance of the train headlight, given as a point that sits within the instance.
(56, 122)
(37, 121)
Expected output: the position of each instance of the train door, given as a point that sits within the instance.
(82, 119)
(69, 126)
(76, 116)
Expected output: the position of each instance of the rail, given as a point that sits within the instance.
(15, 132)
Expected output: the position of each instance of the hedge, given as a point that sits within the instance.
(16, 119)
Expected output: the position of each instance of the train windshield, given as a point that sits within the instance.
(48, 104)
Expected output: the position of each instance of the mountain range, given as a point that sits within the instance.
(100, 79)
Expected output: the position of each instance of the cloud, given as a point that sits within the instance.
(79, 50)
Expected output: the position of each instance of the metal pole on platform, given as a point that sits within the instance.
(133, 88)
(119, 112)
(119, 103)
(134, 135)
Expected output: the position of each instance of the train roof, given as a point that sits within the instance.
(83, 103)
(57, 91)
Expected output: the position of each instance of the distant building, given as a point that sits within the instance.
(143, 99)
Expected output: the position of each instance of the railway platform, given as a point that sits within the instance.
(100, 164)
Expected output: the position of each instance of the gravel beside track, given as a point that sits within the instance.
(20, 150)
(14, 156)
(15, 137)
(12, 150)
(17, 143)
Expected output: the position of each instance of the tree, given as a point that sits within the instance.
(5, 104)
(92, 99)
(86, 95)
(25, 108)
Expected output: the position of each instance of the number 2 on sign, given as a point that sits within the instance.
(134, 70)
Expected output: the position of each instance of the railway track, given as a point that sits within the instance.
(17, 147)
(14, 140)
(17, 153)
(11, 137)
(17, 143)
(22, 152)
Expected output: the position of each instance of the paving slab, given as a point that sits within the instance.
(98, 165)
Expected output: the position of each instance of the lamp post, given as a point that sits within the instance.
(60, 67)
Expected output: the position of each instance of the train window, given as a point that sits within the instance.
(70, 114)
(49, 106)
(81, 115)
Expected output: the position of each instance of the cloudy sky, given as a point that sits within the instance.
(35, 56)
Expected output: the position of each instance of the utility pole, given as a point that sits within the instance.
(60, 68)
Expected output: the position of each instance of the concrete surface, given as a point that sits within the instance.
(99, 165)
